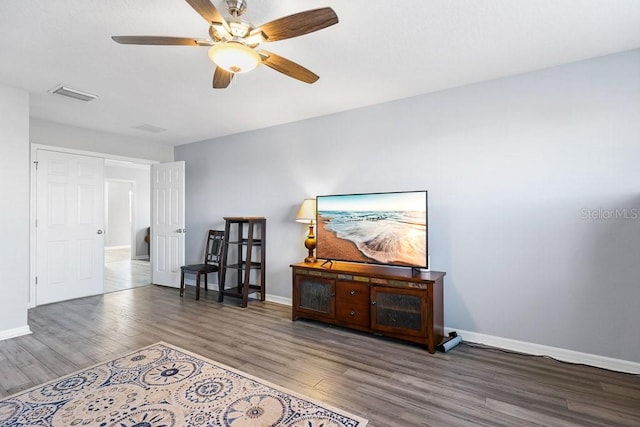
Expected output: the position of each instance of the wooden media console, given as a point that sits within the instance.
(392, 301)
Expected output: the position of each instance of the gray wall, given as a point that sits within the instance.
(524, 176)
(14, 215)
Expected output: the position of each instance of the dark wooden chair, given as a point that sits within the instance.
(211, 262)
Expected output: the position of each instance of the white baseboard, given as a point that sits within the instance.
(15, 332)
(118, 247)
(561, 354)
(278, 300)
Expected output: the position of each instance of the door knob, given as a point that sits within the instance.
(99, 231)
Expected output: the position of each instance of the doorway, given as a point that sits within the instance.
(127, 218)
(47, 191)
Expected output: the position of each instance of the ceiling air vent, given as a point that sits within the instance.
(149, 128)
(73, 93)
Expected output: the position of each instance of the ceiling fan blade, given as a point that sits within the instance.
(156, 40)
(221, 78)
(287, 67)
(297, 24)
(209, 12)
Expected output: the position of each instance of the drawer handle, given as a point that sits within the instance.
(373, 303)
(352, 292)
(353, 313)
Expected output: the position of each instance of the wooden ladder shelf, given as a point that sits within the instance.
(249, 263)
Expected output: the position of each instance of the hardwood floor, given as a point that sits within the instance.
(390, 383)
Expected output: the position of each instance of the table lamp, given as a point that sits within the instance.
(307, 215)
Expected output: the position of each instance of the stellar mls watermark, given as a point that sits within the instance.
(610, 214)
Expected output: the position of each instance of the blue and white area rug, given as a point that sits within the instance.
(165, 386)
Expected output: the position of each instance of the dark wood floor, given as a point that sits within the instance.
(388, 382)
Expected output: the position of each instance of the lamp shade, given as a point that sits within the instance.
(307, 212)
(234, 57)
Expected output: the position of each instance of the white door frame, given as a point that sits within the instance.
(32, 208)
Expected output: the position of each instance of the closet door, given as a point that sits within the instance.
(69, 231)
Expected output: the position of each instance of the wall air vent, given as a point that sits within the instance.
(73, 93)
(149, 128)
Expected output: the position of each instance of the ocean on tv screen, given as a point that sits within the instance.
(392, 230)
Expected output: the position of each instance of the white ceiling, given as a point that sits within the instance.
(379, 51)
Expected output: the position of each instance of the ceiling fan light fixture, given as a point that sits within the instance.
(234, 41)
(234, 57)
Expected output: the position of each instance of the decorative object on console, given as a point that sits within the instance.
(307, 215)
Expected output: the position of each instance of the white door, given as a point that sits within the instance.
(167, 223)
(69, 231)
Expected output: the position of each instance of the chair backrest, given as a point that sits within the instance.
(214, 247)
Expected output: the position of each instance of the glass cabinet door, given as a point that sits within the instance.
(315, 295)
(398, 310)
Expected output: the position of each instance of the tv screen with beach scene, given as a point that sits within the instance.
(377, 228)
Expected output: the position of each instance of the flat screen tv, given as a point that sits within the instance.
(377, 228)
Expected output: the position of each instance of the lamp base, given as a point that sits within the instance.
(310, 244)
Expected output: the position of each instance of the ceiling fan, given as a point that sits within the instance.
(234, 42)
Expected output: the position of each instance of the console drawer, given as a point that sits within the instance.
(354, 315)
(352, 293)
(352, 302)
